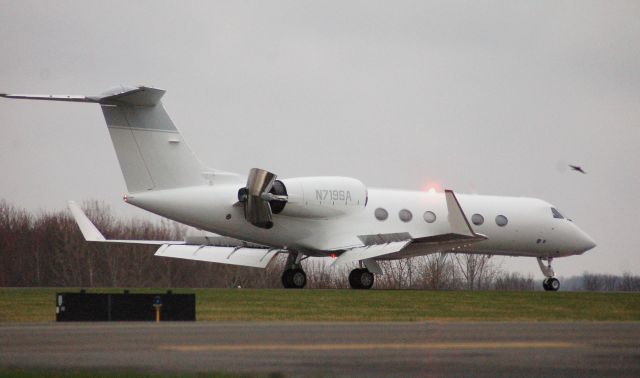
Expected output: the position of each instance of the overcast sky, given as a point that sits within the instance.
(485, 97)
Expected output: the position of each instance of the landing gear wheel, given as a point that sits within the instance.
(361, 279)
(354, 278)
(298, 279)
(551, 284)
(366, 279)
(294, 279)
(287, 280)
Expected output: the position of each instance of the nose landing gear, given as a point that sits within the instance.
(550, 283)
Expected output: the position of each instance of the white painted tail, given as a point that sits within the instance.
(151, 151)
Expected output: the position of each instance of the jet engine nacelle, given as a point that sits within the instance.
(323, 197)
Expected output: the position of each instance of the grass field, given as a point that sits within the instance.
(38, 305)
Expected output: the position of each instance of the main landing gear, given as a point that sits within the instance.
(293, 276)
(550, 283)
(361, 278)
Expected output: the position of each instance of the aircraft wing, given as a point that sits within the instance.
(382, 246)
(253, 257)
(217, 249)
(370, 252)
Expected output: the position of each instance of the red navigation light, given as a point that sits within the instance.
(432, 187)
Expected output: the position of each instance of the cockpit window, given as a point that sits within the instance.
(556, 213)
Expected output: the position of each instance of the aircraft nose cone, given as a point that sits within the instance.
(585, 242)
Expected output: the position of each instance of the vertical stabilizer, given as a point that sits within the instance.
(151, 151)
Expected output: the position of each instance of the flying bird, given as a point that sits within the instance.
(577, 168)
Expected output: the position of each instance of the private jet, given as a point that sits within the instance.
(249, 220)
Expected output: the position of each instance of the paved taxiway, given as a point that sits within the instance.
(302, 349)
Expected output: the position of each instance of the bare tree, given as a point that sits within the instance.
(436, 271)
(514, 282)
(475, 270)
(591, 282)
(629, 282)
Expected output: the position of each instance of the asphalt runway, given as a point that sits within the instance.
(331, 349)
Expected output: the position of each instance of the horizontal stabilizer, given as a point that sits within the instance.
(138, 96)
(88, 229)
(217, 249)
(369, 252)
(70, 98)
(92, 234)
(253, 257)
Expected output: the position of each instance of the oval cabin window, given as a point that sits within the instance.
(381, 214)
(405, 215)
(477, 219)
(501, 220)
(429, 216)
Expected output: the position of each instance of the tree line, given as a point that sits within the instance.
(47, 249)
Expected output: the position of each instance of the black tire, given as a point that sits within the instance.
(366, 279)
(545, 284)
(298, 279)
(553, 284)
(287, 279)
(354, 278)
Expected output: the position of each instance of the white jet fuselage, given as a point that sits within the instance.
(531, 228)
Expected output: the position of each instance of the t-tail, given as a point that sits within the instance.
(150, 149)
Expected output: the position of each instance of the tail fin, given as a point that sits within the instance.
(151, 151)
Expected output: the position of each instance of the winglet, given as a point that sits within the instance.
(88, 229)
(457, 220)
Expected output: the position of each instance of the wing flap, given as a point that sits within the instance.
(449, 238)
(253, 257)
(370, 252)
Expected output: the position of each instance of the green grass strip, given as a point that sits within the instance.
(38, 305)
